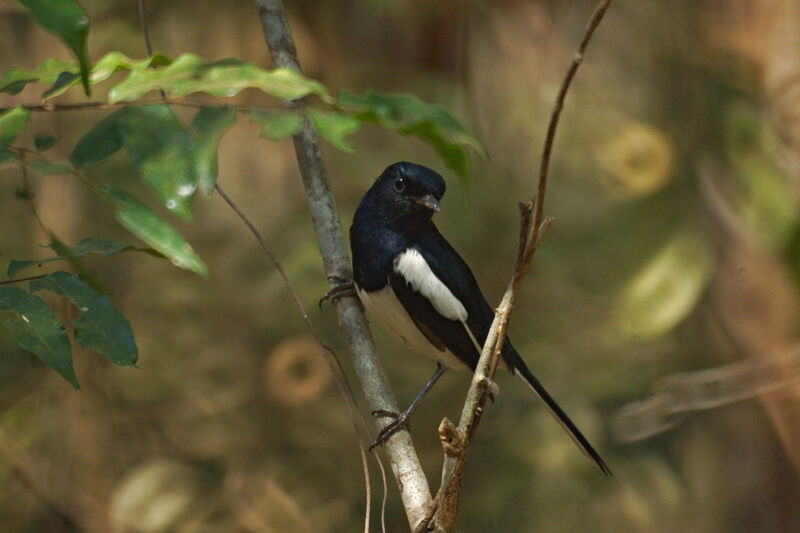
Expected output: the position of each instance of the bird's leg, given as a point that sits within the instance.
(341, 288)
(402, 420)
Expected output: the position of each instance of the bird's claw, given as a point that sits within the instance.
(341, 288)
(400, 421)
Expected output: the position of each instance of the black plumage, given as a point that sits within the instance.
(405, 269)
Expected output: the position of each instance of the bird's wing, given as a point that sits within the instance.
(437, 289)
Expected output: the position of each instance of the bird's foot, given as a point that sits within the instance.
(400, 421)
(341, 288)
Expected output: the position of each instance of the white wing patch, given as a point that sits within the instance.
(415, 270)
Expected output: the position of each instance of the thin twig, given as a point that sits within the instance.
(330, 357)
(414, 489)
(20, 280)
(577, 59)
(145, 30)
(531, 234)
(82, 106)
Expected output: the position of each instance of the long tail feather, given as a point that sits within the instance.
(561, 417)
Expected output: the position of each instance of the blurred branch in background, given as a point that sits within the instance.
(53, 486)
(680, 394)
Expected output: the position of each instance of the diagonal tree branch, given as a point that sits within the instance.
(414, 490)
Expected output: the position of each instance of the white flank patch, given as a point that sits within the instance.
(415, 270)
(385, 309)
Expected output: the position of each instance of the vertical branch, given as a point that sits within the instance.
(414, 490)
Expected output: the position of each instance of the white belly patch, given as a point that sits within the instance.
(385, 309)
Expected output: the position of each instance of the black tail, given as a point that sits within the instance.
(561, 417)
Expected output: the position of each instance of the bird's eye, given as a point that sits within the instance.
(399, 184)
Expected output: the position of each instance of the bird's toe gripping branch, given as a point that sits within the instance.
(402, 420)
(341, 288)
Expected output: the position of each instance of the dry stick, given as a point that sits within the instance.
(413, 486)
(456, 440)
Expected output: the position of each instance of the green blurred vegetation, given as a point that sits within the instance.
(676, 247)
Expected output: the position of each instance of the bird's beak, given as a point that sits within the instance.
(430, 202)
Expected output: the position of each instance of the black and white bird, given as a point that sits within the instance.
(416, 286)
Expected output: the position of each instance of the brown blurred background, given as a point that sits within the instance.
(676, 248)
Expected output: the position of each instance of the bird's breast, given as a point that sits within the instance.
(385, 308)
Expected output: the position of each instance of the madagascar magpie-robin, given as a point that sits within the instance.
(416, 286)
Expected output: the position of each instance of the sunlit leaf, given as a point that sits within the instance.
(189, 74)
(100, 326)
(48, 72)
(67, 20)
(102, 70)
(153, 230)
(334, 127)
(104, 247)
(209, 124)
(408, 115)
(667, 287)
(277, 125)
(38, 331)
(12, 123)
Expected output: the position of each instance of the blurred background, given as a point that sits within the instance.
(661, 312)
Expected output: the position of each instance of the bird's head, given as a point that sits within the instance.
(408, 190)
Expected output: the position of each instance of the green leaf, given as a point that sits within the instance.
(44, 142)
(64, 81)
(68, 20)
(278, 125)
(142, 222)
(160, 147)
(334, 126)
(190, 74)
(101, 142)
(85, 247)
(209, 124)
(100, 326)
(101, 71)
(12, 123)
(156, 143)
(47, 167)
(6, 156)
(408, 115)
(15, 79)
(38, 331)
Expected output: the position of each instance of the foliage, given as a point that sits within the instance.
(172, 160)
